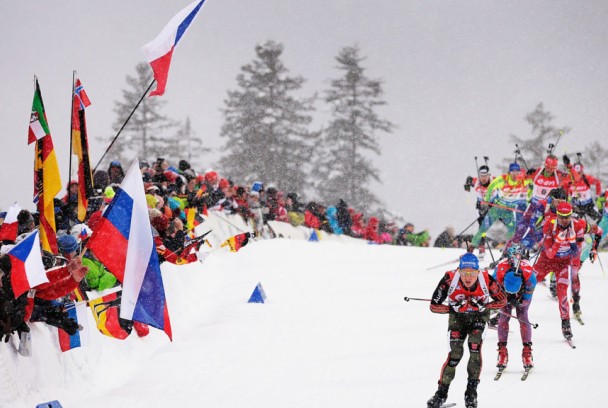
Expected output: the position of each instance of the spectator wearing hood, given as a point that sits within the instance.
(407, 237)
(357, 228)
(447, 239)
(371, 230)
(295, 210)
(115, 173)
(332, 218)
(344, 219)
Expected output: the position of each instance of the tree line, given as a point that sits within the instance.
(267, 128)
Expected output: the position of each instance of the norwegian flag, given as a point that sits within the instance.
(81, 96)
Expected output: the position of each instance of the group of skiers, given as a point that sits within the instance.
(545, 211)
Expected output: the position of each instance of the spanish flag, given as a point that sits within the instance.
(47, 182)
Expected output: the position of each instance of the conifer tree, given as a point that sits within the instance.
(187, 146)
(544, 133)
(594, 160)
(266, 124)
(148, 134)
(343, 166)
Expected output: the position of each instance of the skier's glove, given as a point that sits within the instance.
(468, 184)
(592, 256)
(566, 160)
(457, 306)
(531, 171)
(479, 305)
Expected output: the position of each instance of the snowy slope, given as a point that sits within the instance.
(335, 332)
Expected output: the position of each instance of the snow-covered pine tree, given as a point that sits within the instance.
(594, 160)
(148, 134)
(534, 150)
(187, 146)
(266, 124)
(343, 167)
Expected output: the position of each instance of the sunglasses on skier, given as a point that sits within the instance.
(469, 272)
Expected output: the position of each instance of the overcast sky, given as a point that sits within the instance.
(459, 77)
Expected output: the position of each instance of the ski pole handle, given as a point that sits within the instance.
(407, 299)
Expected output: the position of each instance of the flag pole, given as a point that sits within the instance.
(71, 128)
(124, 124)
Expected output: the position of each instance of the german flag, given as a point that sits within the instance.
(237, 242)
(80, 147)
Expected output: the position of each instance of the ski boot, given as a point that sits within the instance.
(526, 355)
(440, 396)
(503, 354)
(470, 395)
(566, 329)
(576, 307)
(553, 286)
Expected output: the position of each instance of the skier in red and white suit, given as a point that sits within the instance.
(549, 177)
(563, 238)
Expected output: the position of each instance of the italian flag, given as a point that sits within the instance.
(38, 125)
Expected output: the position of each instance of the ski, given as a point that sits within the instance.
(570, 343)
(526, 373)
(448, 405)
(499, 373)
(579, 319)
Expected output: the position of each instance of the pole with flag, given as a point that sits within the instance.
(159, 52)
(124, 243)
(47, 181)
(80, 148)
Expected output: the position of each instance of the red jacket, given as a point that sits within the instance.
(484, 291)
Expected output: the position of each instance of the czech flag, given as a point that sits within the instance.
(123, 242)
(27, 269)
(159, 51)
(10, 225)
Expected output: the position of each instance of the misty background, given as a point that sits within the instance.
(458, 78)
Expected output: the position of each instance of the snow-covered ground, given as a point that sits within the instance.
(335, 332)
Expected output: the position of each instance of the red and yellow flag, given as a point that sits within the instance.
(80, 147)
(47, 181)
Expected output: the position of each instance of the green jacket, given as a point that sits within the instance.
(98, 278)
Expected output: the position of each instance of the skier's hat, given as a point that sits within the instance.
(469, 261)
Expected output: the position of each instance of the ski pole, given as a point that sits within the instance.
(601, 266)
(504, 207)
(477, 167)
(483, 236)
(519, 155)
(534, 325)
(465, 230)
(486, 158)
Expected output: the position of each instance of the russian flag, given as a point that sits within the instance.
(27, 269)
(159, 51)
(9, 227)
(123, 242)
(78, 312)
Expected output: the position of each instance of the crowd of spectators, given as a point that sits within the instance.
(177, 197)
